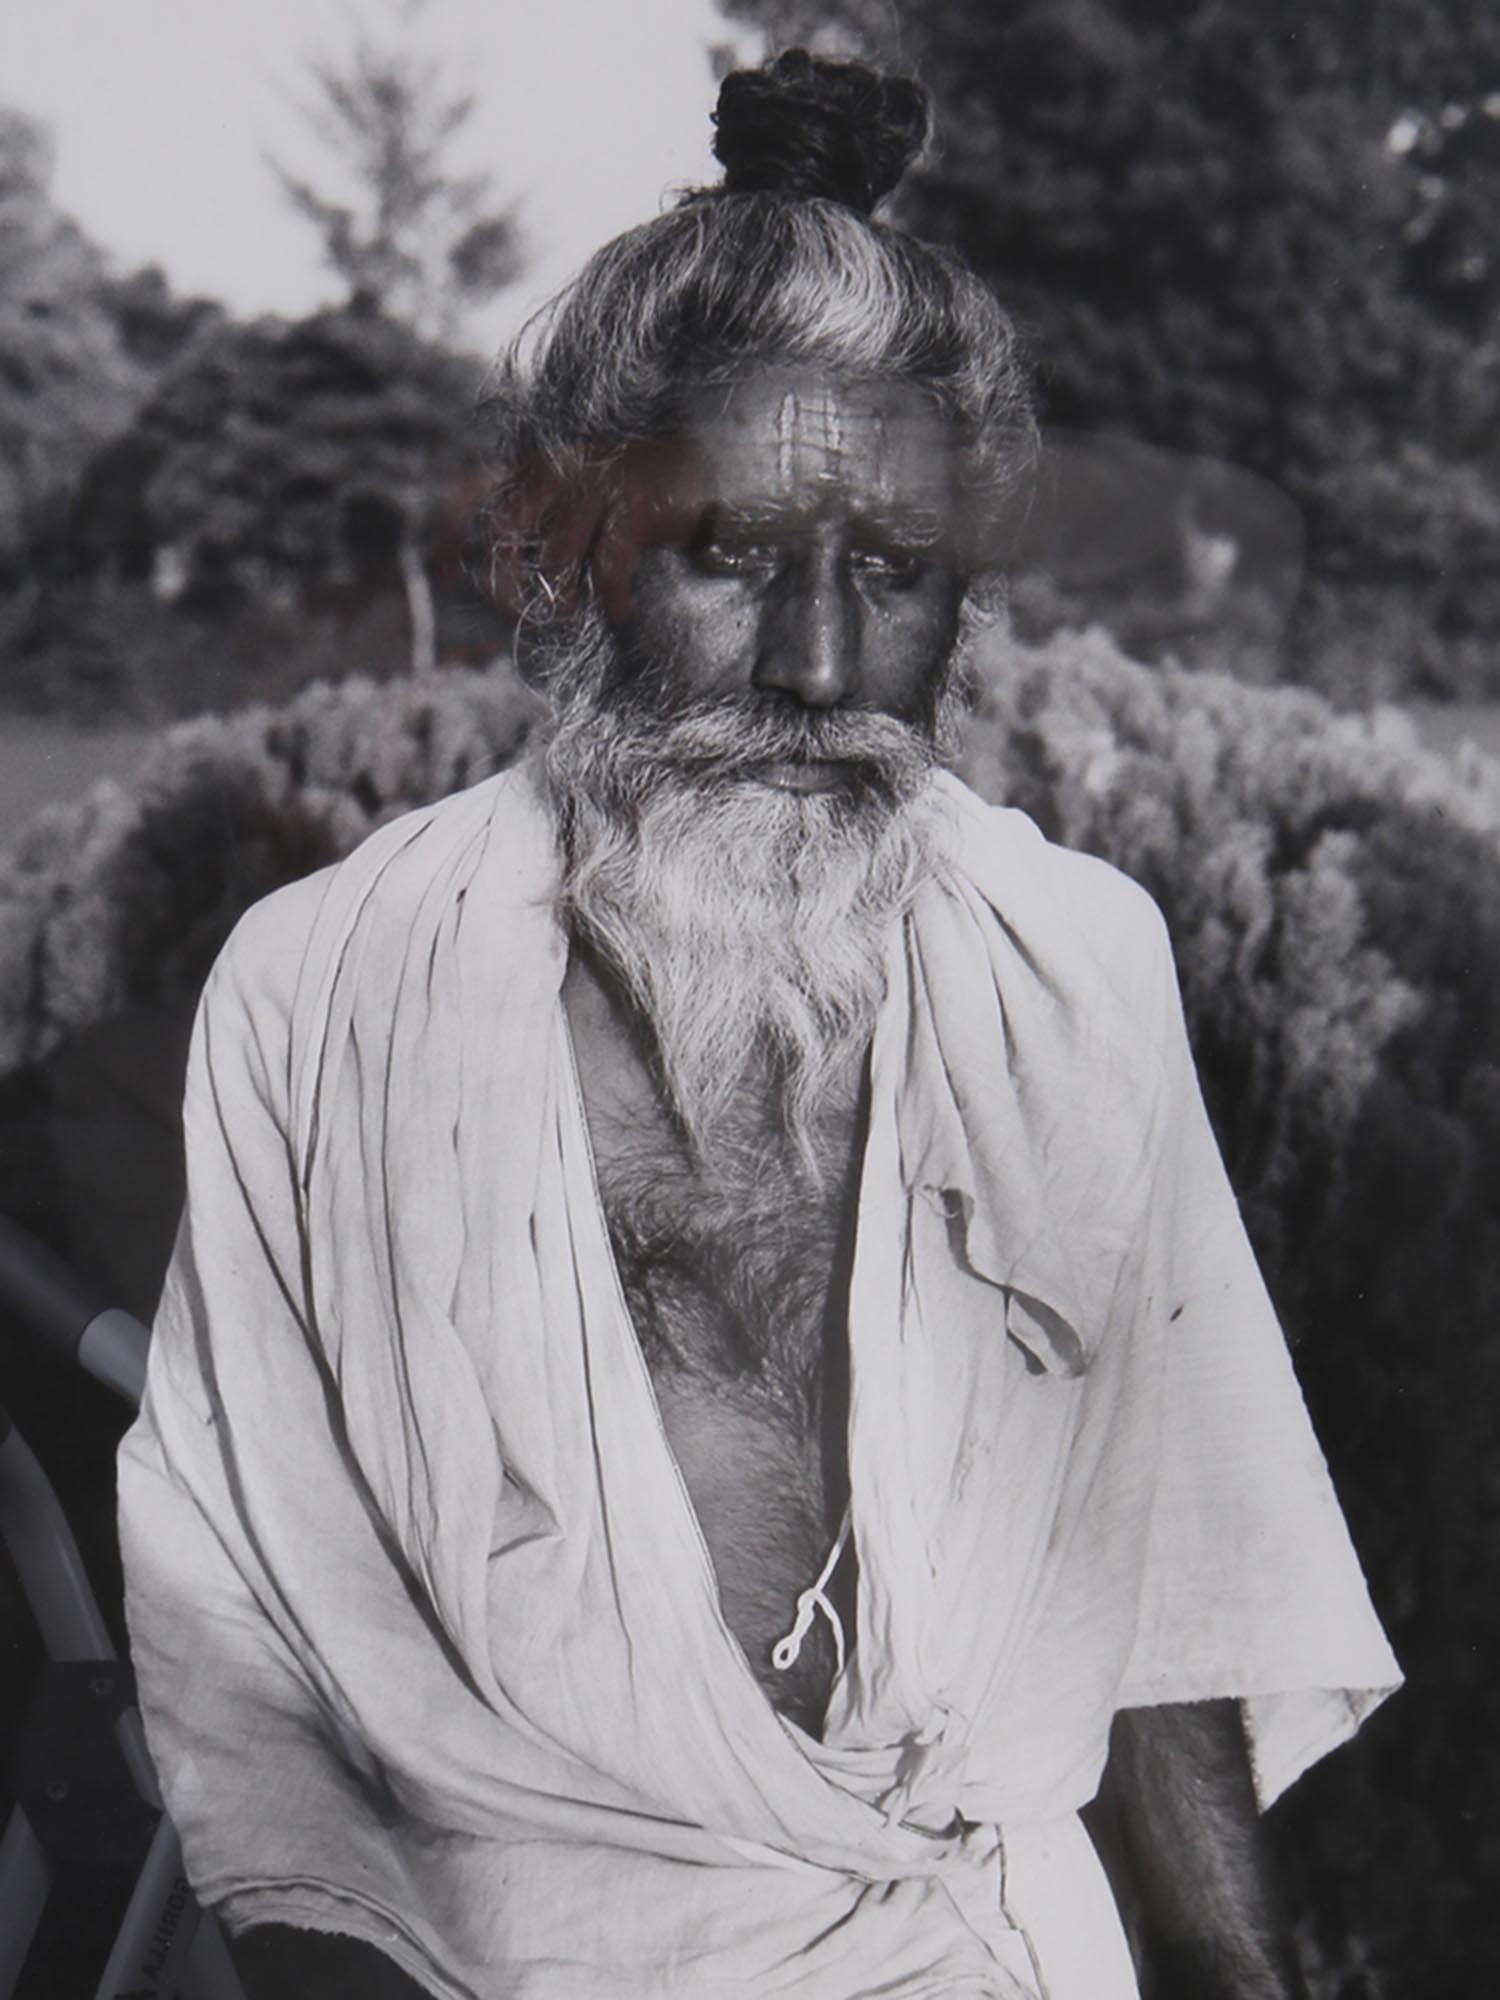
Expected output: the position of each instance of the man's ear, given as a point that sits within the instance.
(985, 601)
(653, 498)
(573, 527)
(543, 521)
(982, 607)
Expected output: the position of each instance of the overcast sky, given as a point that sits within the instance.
(162, 110)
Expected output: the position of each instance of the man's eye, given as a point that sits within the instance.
(896, 569)
(717, 558)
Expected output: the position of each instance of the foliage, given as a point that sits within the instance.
(67, 379)
(128, 896)
(1334, 898)
(153, 322)
(303, 486)
(287, 452)
(1258, 233)
(103, 649)
(292, 488)
(420, 240)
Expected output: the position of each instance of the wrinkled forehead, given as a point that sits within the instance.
(800, 439)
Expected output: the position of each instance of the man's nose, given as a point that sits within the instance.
(809, 637)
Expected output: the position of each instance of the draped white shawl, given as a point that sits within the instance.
(427, 1635)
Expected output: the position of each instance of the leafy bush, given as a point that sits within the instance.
(1334, 898)
(127, 897)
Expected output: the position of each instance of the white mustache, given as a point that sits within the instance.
(743, 736)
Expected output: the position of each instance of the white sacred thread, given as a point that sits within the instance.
(811, 1601)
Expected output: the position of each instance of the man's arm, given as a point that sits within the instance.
(276, 1962)
(1178, 1804)
(257, 1773)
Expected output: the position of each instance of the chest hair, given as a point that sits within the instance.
(738, 1292)
(736, 1278)
(735, 1273)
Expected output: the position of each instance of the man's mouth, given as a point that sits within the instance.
(807, 774)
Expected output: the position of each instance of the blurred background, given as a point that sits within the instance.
(253, 261)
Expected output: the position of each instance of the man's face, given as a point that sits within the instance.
(742, 764)
(815, 570)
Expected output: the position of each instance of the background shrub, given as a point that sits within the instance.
(1334, 899)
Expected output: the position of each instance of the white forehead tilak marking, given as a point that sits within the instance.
(833, 428)
(786, 437)
(809, 424)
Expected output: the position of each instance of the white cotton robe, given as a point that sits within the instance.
(428, 1641)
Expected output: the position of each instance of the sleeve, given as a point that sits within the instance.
(1251, 1587)
(277, 1805)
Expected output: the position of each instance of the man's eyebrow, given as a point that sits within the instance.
(916, 527)
(719, 515)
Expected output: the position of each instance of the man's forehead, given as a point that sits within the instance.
(794, 434)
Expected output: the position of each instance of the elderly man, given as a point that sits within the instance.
(712, 1396)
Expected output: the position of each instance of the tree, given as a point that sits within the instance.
(67, 382)
(1251, 230)
(294, 461)
(155, 323)
(417, 240)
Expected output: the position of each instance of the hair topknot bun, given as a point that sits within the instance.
(805, 126)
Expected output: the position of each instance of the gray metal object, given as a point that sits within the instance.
(167, 1947)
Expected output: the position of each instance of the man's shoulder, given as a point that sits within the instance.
(262, 958)
(1105, 908)
(267, 954)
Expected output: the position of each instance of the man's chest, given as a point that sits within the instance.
(736, 1284)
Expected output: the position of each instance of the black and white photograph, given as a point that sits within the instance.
(750, 1000)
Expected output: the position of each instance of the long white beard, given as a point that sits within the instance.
(750, 926)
